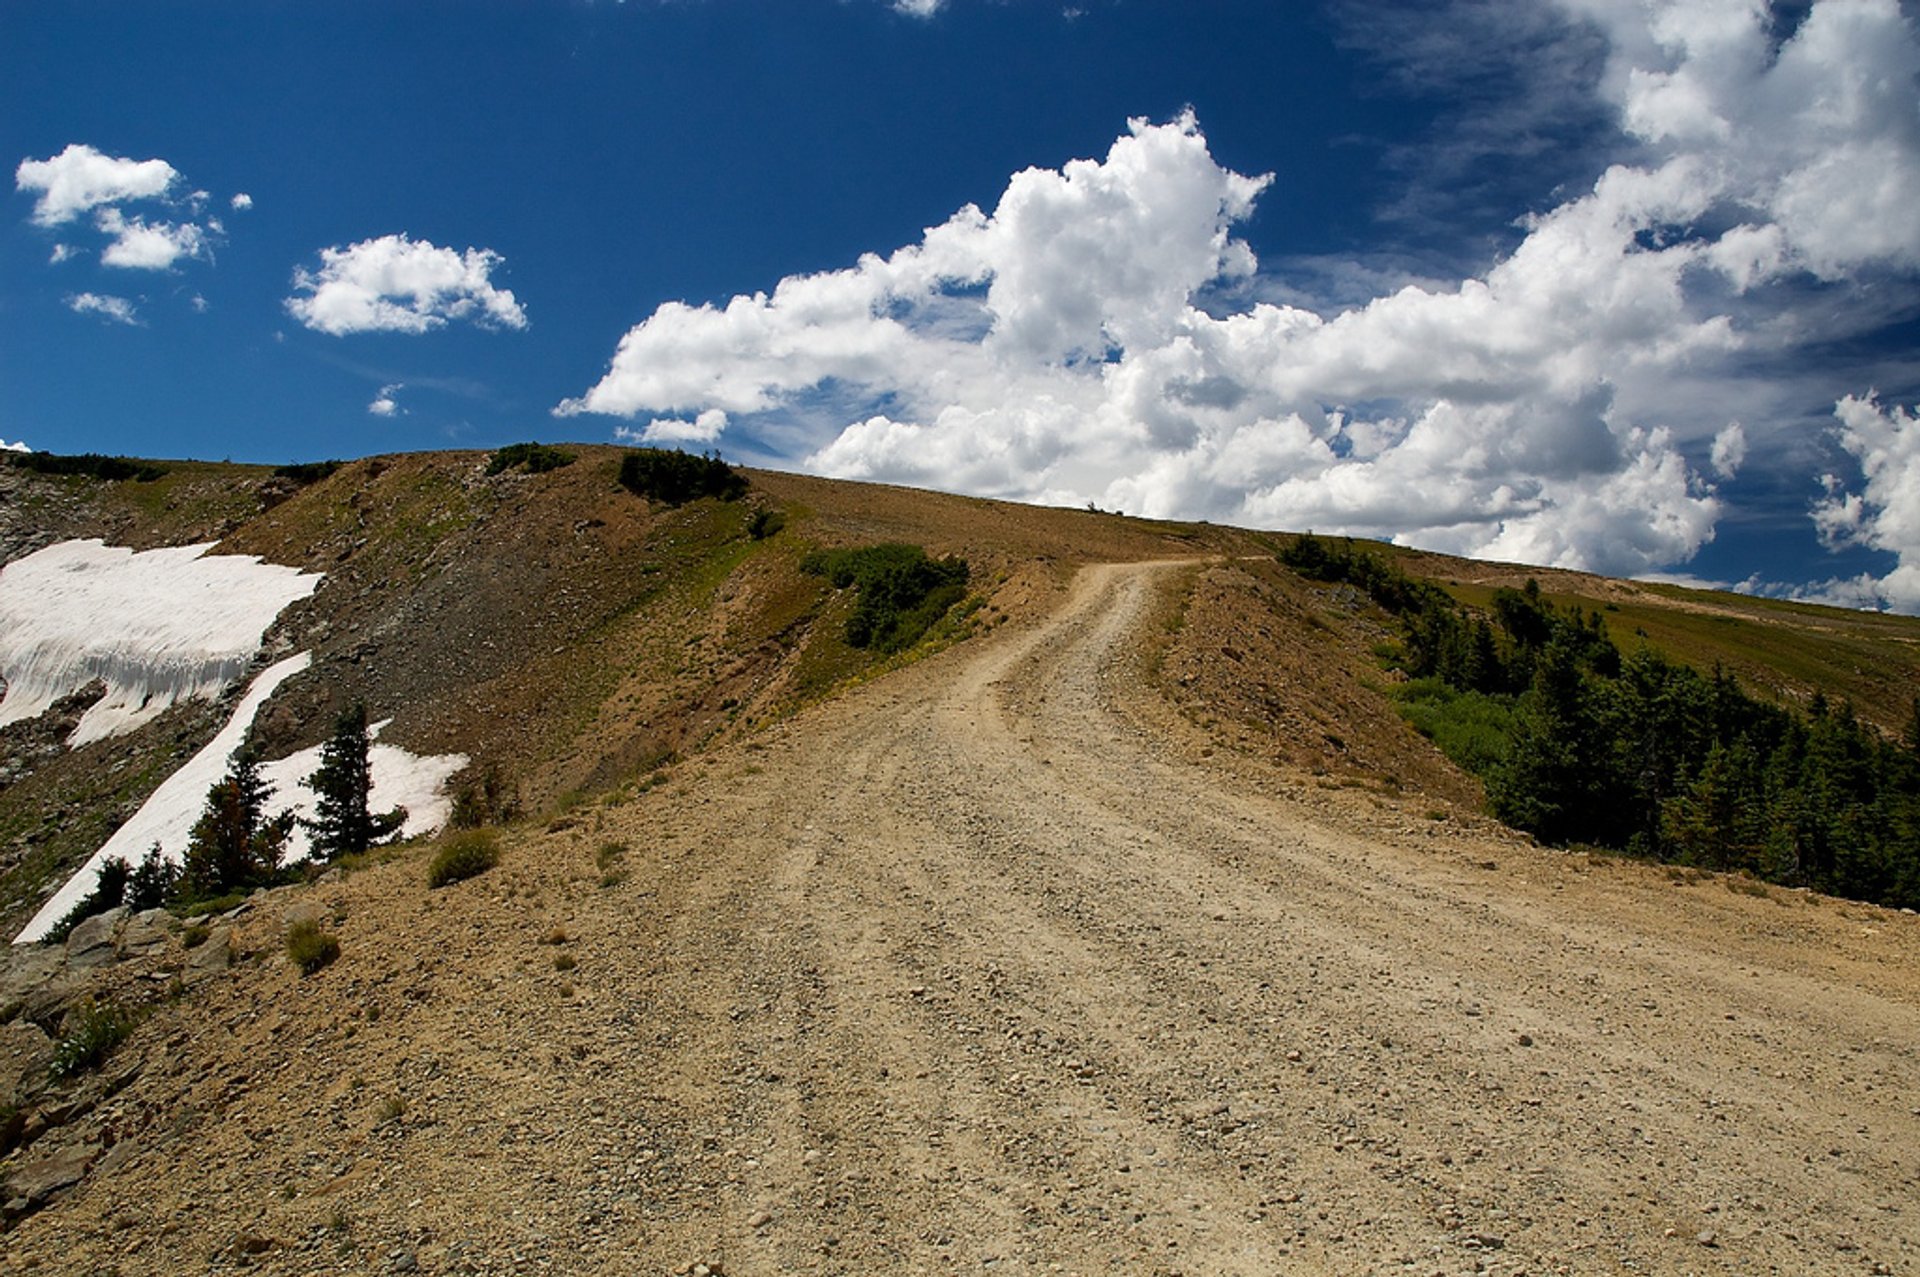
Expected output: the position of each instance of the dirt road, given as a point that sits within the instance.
(989, 966)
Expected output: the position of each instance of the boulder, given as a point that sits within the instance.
(25, 967)
(214, 955)
(91, 944)
(145, 933)
(25, 1053)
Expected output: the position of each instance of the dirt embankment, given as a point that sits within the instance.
(998, 964)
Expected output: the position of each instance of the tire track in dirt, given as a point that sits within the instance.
(986, 967)
(1070, 1000)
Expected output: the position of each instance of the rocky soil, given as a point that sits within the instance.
(1002, 964)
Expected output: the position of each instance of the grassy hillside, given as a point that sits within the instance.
(573, 637)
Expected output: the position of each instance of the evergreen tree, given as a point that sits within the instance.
(342, 823)
(1544, 787)
(235, 844)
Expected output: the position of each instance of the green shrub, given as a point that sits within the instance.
(307, 472)
(677, 477)
(765, 523)
(902, 591)
(464, 854)
(310, 947)
(1471, 728)
(534, 458)
(93, 1029)
(90, 464)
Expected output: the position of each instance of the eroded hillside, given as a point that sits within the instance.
(1003, 962)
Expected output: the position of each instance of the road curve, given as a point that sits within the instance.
(991, 966)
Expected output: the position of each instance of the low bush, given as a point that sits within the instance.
(765, 523)
(464, 854)
(487, 800)
(902, 591)
(534, 458)
(678, 477)
(91, 465)
(307, 472)
(311, 947)
(1471, 728)
(93, 1029)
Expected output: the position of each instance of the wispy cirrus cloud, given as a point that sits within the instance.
(113, 309)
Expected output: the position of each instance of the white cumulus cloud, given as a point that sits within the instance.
(1092, 337)
(397, 284)
(116, 309)
(919, 8)
(242, 202)
(142, 245)
(13, 447)
(1885, 515)
(704, 428)
(384, 404)
(81, 178)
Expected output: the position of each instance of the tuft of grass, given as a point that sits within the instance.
(213, 904)
(609, 860)
(463, 855)
(196, 935)
(564, 962)
(93, 1030)
(310, 947)
(391, 1109)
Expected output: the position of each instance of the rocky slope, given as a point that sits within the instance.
(1135, 929)
(1000, 963)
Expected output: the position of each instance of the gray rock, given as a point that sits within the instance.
(37, 1180)
(145, 933)
(25, 1053)
(91, 943)
(304, 912)
(46, 1001)
(25, 967)
(214, 955)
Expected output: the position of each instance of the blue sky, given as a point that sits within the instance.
(1629, 287)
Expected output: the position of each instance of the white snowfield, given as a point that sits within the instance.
(158, 626)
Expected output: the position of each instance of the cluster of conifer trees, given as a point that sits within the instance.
(1578, 743)
(237, 846)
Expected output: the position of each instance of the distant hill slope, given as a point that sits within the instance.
(572, 638)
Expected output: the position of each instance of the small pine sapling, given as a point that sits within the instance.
(342, 824)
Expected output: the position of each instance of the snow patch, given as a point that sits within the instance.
(158, 626)
(416, 782)
(167, 818)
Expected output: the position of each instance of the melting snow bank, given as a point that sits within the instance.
(167, 818)
(158, 626)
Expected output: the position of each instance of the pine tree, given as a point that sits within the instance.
(235, 844)
(343, 783)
